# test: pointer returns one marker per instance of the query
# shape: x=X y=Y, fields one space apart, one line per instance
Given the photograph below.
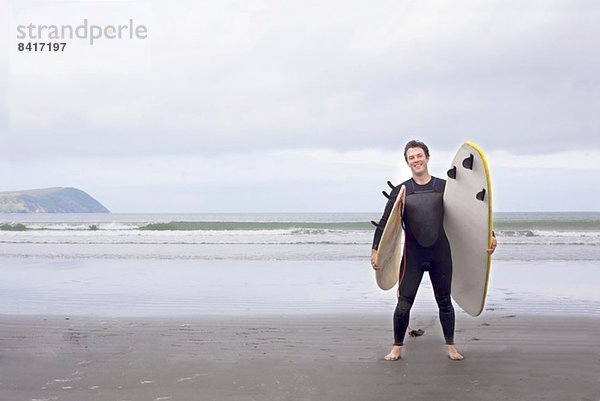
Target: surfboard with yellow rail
x=468 y=225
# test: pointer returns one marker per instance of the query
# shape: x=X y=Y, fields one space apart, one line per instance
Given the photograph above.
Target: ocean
x=232 y=264
x=311 y=236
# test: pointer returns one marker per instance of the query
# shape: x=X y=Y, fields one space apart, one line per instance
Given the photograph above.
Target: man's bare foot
x=453 y=353
x=394 y=354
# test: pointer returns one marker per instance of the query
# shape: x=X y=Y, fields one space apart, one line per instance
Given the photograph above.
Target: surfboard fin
x=391 y=185
x=468 y=162
x=481 y=195
x=374 y=223
x=452 y=172
x=385 y=194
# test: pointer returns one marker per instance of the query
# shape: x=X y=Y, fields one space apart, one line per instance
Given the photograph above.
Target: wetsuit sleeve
x=386 y=214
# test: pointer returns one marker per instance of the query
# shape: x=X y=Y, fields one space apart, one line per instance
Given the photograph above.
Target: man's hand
x=374 y=259
x=493 y=247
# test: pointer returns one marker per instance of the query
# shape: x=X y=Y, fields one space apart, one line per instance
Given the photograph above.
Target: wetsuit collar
x=425 y=183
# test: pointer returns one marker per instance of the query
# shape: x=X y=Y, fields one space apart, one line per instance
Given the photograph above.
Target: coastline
x=151 y=288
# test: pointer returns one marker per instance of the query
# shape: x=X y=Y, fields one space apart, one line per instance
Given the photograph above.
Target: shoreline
x=286 y=330
x=320 y=357
x=191 y=288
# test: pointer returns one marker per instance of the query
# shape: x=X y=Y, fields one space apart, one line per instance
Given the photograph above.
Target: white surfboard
x=391 y=246
x=468 y=225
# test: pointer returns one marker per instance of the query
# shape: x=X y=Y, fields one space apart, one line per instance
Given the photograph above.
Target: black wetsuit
x=426 y=249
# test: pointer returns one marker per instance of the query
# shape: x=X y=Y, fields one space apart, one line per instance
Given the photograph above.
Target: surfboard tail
x=468 y=225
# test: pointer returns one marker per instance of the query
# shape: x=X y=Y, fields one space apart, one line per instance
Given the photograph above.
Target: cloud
x=228 y=76
x=294 y=180
x=305 y=105
x=566 y=160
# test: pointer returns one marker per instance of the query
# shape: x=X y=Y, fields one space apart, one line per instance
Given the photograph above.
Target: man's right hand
x=374 y=259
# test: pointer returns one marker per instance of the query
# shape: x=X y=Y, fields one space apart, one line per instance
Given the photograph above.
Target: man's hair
x=416 y=144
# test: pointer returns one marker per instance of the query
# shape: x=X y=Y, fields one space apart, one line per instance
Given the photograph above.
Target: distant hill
x=50 y=200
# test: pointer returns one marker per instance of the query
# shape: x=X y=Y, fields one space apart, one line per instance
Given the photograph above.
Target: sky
x=289 y=106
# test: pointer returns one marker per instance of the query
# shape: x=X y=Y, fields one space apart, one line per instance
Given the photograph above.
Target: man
x=426 y=248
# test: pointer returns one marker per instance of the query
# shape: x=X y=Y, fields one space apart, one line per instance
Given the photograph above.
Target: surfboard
x=468 y=225
x=391 y=246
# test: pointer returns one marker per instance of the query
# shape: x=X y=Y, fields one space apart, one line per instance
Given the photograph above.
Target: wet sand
x=312 y=357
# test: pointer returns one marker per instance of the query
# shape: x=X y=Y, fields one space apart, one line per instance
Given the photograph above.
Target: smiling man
x=426 y=248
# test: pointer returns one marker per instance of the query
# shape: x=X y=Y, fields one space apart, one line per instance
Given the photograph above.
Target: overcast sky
x=303 y=106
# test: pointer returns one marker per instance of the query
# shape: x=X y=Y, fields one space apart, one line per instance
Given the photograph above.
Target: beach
x=257 y=341
x=316 y=357
x=194 y=196
x=124 y=315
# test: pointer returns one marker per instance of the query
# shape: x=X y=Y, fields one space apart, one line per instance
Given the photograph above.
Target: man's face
x=416 y=160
